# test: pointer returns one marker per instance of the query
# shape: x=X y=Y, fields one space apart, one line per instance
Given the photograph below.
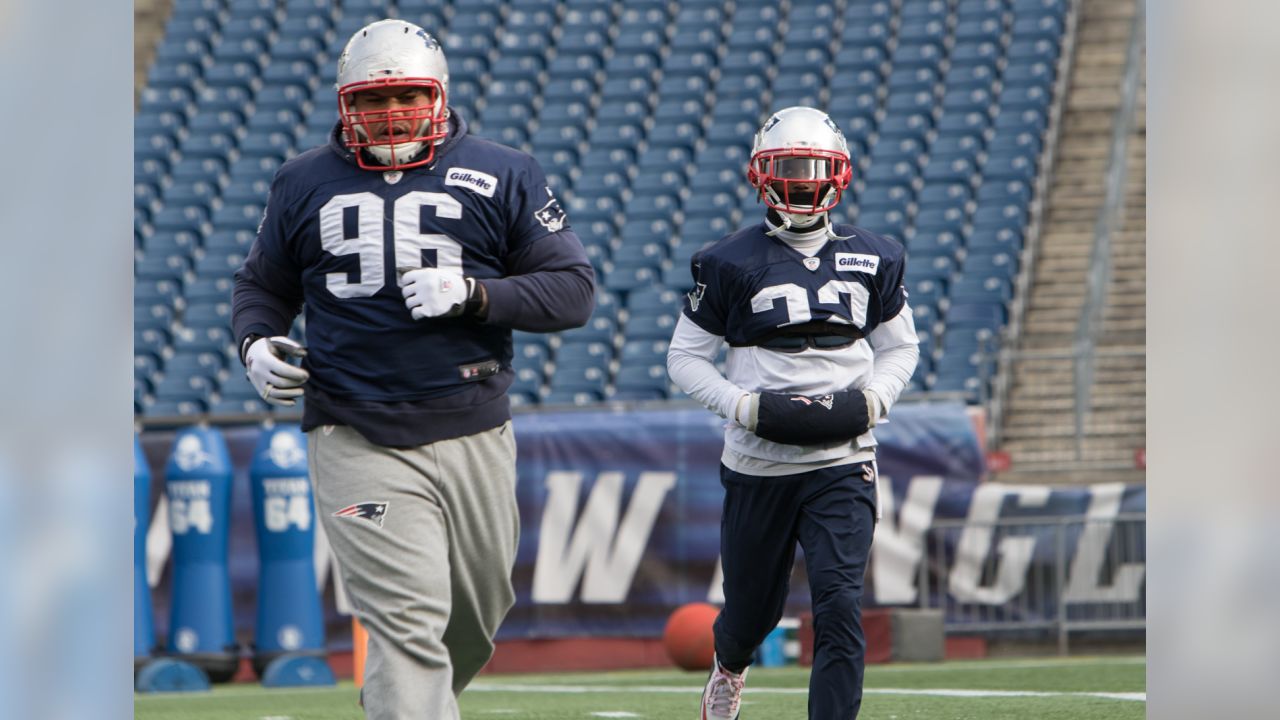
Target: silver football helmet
x=390 y=54
x=800 y=165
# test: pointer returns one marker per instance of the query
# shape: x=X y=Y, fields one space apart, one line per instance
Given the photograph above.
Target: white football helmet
x=800 y=146
x=394 y=54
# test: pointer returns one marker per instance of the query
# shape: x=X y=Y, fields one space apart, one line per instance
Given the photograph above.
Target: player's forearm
x=691 y=366
x=550 y=287
x=897 y=351
x=547 y=301
x=258 y=311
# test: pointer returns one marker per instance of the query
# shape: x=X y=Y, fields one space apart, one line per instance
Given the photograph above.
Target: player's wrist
x=247 y=343
x=477 y=302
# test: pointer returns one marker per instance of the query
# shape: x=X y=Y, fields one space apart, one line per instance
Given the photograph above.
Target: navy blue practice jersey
x=748 y=286
x=337 y=237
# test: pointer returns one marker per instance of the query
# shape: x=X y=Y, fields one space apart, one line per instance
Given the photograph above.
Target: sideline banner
x=620 y=518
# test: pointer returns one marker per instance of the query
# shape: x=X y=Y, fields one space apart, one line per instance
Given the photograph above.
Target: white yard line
x=1029 y=664
x=935 y=692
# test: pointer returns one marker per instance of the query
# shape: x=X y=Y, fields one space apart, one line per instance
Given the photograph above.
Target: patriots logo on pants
x=372 y=511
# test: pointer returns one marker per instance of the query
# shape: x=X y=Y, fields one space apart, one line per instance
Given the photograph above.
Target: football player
x=821 y=343
x=416 y=248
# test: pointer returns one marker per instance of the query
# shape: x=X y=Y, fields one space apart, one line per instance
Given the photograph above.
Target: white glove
x=432 y=292
x=276 y=380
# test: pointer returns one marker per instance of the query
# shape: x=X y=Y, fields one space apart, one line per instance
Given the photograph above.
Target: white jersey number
x=409 y=240
x=797 y=301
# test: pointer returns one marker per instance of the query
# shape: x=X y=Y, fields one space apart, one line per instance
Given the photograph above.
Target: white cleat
x=722 y=697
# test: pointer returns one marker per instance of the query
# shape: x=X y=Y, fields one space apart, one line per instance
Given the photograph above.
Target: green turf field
x=1076 y=688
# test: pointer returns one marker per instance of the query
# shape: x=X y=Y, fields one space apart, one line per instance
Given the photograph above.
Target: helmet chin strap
x=786 y=222
x=404 y=152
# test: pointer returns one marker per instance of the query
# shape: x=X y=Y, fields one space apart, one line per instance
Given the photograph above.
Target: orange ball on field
x=688 y=637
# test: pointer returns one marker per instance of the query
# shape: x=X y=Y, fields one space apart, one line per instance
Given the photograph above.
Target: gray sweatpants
x=429 y=573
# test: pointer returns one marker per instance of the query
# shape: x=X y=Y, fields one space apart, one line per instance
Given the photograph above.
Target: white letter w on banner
x=600 y=552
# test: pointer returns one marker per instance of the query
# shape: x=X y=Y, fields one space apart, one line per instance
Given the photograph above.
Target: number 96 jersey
x=337 y=238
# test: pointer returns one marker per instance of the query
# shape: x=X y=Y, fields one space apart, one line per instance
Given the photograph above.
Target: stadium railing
x=1077 y=574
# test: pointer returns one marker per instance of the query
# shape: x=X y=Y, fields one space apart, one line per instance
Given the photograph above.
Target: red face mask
x=800 y=180
x=404 y=129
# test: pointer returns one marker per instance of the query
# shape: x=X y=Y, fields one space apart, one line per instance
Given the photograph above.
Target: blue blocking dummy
x=198 y=490
x=144 y=633
x=289 y=620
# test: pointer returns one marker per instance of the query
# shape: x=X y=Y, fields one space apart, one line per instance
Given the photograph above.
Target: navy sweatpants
x=831 y=513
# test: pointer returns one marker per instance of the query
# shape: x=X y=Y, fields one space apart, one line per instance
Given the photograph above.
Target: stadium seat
x=573 y=355
x=641 y=114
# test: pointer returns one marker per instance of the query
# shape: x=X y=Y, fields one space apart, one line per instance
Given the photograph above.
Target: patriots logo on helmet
x=374 y=512
x=428 y=40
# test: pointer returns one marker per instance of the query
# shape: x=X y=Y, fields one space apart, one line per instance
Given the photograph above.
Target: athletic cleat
x=723 y=693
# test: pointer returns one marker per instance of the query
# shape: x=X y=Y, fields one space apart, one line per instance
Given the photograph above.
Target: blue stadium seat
x=1035 y=73
x=214 y=145
x=1018 y=191
x=530 y=355
x=1041 y=49
x=644 y=352
x=218 y=264
x=969 y=314
x=235 y=385
x=207 y=314
x=932 y=29
x=1009 y=168
x=528 y=381
x=642 y=382
x=982 y=289
x=935 y=242
x=886 y=197
x=597 y=329
x=951 y=194
x=992 y=217
x=971 y=77
x=651 y=327
x=165 y=291
x=203 y=290
x=207 y=364
x=1031 y=97
x=869 y=35
x=902 y=125
x=1005 y=240
x=150 y=340
x=935 y=268
x=926 y=292
x=214 y=338
x=176 y=387
x=573 y=356
x=940 y=219
x=991 y=263
x=965 y=123
x=949 y=169
x=973 y=53
x=174 y=408
x=924 y=9
x=958 y=145
x=580 y=380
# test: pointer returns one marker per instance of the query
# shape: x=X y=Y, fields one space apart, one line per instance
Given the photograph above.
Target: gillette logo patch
x=857 y=262
x=482 y=183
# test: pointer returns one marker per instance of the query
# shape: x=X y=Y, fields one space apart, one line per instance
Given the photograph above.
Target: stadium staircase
x=1083 y=332
x=149 y=17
